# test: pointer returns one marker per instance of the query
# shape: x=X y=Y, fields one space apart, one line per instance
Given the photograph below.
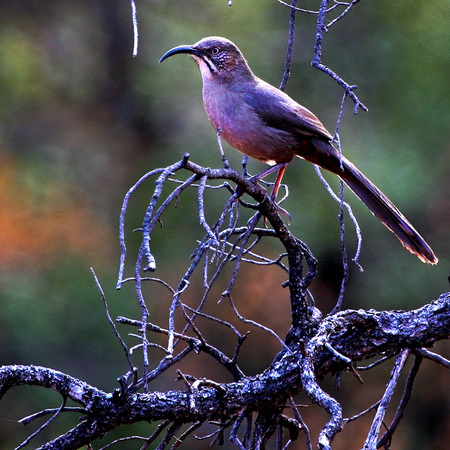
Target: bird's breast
x=243 y=129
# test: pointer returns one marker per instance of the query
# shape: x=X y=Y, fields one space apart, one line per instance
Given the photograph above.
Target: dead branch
x=357 y=334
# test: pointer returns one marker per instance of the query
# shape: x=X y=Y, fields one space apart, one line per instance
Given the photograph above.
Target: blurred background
x=81 y=120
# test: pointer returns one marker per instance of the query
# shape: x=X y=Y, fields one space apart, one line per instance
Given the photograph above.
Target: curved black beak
x=190 y=49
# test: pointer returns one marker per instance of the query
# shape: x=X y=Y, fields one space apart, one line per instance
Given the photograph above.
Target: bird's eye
x=215 y=51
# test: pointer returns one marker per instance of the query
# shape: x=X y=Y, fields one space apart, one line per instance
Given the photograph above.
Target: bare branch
x=343 y=14
x=433 y=357
x=42 y=427
x=317 y=60
x=288 y=59
x=372 y=437
x=403 y=403
x=111 y=322
x=135 y=28
x=347 y=332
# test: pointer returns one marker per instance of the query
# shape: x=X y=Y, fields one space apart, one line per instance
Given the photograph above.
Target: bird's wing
x=277 y=110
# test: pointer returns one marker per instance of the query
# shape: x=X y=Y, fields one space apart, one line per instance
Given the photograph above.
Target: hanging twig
x=135 y=28
x=317 y=60
x=290 y=46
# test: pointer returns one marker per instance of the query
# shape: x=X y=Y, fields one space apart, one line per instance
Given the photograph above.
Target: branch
x=313 y=347
x=386 y=399
x=288 y=59
x=387 y=436
x=361 y=335
x=317 y=59
x=356 y=334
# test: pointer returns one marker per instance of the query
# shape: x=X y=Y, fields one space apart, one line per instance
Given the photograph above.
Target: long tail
x=327 y=157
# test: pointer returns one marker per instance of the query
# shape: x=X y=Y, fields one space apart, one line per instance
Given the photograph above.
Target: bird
x=265 y=123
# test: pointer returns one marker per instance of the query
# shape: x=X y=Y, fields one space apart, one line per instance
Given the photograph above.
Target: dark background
x=81 y=120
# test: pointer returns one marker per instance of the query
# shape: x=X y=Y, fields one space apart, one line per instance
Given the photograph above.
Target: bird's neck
x=230 y=76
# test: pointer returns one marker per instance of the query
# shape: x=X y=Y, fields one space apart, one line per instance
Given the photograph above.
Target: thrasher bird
x=265 y=123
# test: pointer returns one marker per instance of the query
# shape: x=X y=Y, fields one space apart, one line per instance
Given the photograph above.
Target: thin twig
x=256 y=324
x=349 y=211
x=344 y=256
x=214 y=319
x=290 y=46
x=46 y=412
x=337 y=355
x=156 y=433
x=225 y=162
x=122 y=222
x=343 y=14
x=432 y=357
x=111 y=322
x=233 y=435
x=317 y=59
x=376 y=363
x=251 y=224
x=135 y=28
x=151 y=219
x=309 y=11
x=371 y=440
x=45 y=425
x=357 y=416
x=198 y=344
x=124 y=439
x=403 y=403
x=201 y=210
x=190 y=430
x=303 y=425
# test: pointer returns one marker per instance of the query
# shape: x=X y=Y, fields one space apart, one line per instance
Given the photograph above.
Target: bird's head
x=216 y=56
